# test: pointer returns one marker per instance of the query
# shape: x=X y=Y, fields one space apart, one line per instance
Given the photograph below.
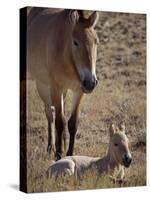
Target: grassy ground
x=119 y=96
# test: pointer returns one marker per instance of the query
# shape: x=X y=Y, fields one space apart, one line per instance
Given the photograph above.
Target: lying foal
x=118 y=156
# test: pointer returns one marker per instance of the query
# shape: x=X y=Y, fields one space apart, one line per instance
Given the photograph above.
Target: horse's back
x=43 y=28
x=40 y=12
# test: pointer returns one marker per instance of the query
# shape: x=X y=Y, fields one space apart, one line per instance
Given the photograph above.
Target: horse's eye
x=76 y=43
x=116 y=144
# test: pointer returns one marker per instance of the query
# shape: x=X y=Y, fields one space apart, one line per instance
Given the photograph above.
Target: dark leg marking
x=59 y=127
x=72 y=127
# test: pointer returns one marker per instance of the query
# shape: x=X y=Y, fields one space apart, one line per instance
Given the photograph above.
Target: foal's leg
x=73 y=121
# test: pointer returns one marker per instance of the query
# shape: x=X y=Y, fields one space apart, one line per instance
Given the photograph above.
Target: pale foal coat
x=118 y=156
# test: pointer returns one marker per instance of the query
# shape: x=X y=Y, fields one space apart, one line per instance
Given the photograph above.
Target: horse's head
x=118 y=148
x=84 y=48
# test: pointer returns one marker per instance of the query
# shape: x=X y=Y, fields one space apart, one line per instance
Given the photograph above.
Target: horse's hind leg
x=65 y=123
x=45 y=94
x=50 y=113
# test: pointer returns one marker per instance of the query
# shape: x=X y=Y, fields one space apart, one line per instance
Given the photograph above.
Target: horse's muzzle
x=127 y=160
x=89 y=84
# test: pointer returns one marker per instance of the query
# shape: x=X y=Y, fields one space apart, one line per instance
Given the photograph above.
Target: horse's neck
x=105 y=164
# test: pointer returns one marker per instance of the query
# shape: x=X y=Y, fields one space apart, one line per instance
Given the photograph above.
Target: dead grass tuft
x=119 y=96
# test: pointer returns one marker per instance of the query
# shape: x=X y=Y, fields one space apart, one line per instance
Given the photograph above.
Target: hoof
x=69 y=153
x=121 y=182
x=58 y=156
x=51 y=148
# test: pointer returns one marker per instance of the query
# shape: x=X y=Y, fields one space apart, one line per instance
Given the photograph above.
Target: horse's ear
x=112 y=130
x=93 y=18
x=122 y=127
x=73 y=16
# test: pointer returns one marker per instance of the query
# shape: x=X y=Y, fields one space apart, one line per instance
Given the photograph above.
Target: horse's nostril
x=85 y=83
x=128 y=159
x=96 y=81
x=89 y=84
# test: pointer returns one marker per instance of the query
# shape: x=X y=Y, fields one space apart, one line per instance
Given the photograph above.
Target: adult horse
x=62 y=50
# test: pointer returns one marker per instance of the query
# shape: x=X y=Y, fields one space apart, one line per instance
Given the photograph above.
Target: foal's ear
x=92 y=20
x=112 y=130
x=73 y=16
x=122 y=127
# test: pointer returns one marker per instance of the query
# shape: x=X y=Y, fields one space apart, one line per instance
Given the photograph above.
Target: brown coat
x=61 y=55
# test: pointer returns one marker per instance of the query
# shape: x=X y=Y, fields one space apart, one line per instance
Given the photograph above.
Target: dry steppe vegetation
x=119 y=96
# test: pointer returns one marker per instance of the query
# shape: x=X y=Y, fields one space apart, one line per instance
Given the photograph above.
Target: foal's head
x=118 y=148
x=84 y=48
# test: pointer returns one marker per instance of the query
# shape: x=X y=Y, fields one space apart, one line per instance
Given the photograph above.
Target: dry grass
x=119 y=96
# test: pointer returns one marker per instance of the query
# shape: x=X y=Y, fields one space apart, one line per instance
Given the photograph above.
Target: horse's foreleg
x=73 y=121
x=60 y=124
x=59 y=128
